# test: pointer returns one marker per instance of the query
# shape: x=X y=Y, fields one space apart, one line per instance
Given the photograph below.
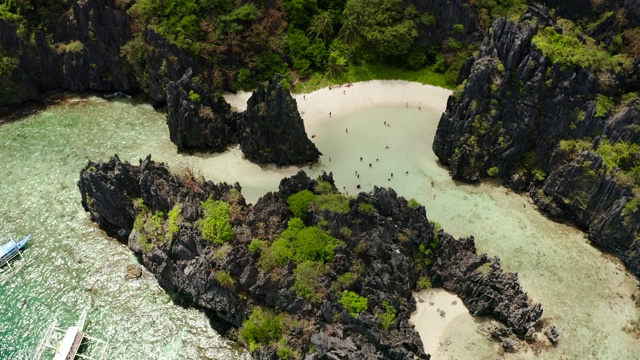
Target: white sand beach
x=438 y=313
x=340 y=101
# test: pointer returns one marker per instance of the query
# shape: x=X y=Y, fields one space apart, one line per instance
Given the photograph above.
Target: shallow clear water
x=74 y=266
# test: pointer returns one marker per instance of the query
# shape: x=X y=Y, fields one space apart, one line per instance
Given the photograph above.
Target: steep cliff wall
x=375 y=248
x=82 y=54
x=270 y=131
x=199 y=120
x=550 y=110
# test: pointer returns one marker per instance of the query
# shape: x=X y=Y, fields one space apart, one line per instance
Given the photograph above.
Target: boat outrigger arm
x=64 y=343
x=8 y=252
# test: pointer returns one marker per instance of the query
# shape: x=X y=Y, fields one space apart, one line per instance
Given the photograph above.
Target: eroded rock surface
x=386 y=246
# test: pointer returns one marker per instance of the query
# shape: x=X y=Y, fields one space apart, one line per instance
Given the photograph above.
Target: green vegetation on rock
x=299 y=243
x=224 y=279
x=307 y=284
x=424 y=283
x=353 y=303
x=262 y=328
x=566 y=48
x=388 y=317
x=299 y=202
x=215 y=224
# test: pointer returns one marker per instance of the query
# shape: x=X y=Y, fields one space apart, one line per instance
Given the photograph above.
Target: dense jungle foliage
x=313 y=42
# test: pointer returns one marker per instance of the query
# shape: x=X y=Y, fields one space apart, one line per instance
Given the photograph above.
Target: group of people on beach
x=349 y=84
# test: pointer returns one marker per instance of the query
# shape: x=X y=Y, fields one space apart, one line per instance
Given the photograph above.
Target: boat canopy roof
x=7 y=248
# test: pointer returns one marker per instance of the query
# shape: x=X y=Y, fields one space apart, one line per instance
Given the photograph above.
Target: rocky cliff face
x=84 y=54
x=270 y=131
x=519 y=115
x=384 y=249
x=91 y=48
x=197 y=119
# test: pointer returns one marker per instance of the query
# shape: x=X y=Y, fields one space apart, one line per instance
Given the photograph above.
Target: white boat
x=11 y=259
x=65 y=343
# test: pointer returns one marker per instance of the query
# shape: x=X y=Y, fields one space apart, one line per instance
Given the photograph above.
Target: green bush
x=299 y=202
x=458 y=28
x=194 y=96
x=299 y=243
x=623 y=155
x=366 y=208
x=8 y=64
x=631 y=206
x=572 y=147
x=604 y=105
x=311 y=243
x=262 y=328
x=257 y=244
x=347 y=279
x=174 y=220
x=353 y=303
x=538 y=175
x=215 y=224
x=424 y=283
x=345 y=232
x=387 y=318
x=224 y=279
x=493 y=171
x=569 y=50
x=337 y=203
x=307 y=284
x=324 y=187
x=413 y=203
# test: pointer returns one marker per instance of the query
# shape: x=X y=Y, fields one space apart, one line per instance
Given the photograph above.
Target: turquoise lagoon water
x=74 y=266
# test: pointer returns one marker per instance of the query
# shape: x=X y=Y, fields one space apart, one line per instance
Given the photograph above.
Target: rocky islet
x=386 y=244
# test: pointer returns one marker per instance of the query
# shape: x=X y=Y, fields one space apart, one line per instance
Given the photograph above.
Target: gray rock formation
x=270 y=131
x=387 y=249
x=507 y=120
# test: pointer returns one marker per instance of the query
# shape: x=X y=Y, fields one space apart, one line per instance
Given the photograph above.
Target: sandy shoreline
x=316 y=105
x=438 y=312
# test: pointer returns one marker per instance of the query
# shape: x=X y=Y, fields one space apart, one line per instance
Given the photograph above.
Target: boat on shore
x=9 y=252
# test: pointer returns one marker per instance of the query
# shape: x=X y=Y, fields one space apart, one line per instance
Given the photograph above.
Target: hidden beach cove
x=349 y=219
x=319 y=268
x=307 y=270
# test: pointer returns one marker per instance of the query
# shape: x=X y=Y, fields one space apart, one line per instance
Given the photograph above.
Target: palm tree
x=349 y=32
x=321 y=26
x=336 y=64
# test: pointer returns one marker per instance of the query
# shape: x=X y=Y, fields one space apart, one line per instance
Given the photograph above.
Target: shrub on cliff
x=215 y=225
x=299 y=202
x=299 y=243
x=262 y=327
x=332 y=202
x=388 y=317
x=307 y=283
x=353 y=303
x=573 y=49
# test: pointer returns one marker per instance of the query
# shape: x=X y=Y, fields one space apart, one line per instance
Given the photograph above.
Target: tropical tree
x=336 y=64
x=383 y=25
x=321 y=26
x=349 y=32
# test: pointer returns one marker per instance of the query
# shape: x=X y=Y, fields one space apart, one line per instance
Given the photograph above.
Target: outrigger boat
x=10 y=251
x=65 y=343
